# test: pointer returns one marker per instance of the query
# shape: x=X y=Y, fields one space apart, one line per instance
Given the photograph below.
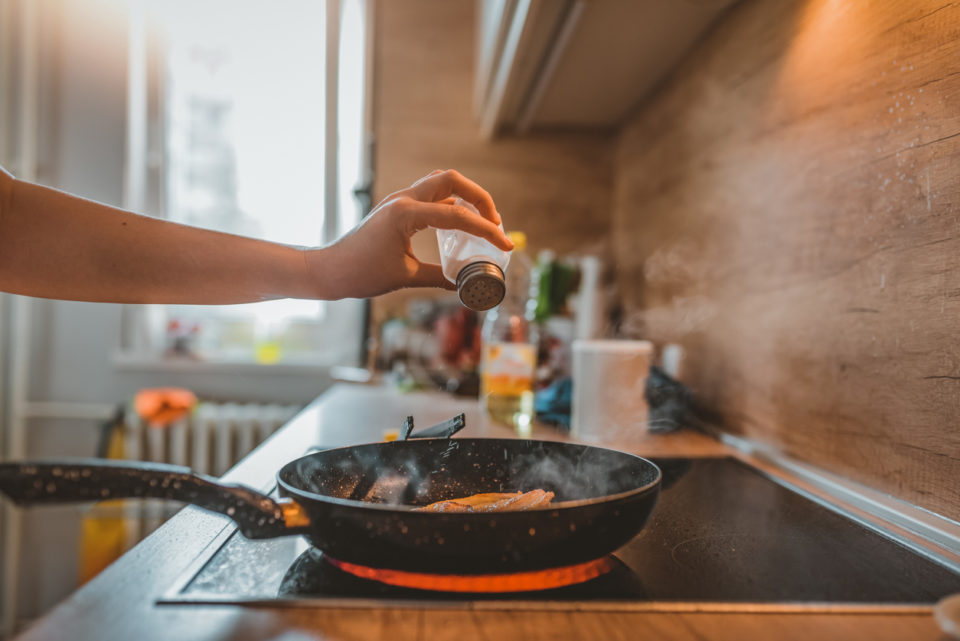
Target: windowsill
x=127 y=362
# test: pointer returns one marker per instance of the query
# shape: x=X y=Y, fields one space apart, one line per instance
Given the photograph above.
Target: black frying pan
x=355 y=503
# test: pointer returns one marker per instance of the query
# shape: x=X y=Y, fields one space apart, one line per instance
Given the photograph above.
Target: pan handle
x=445 y=429
x=80 y=480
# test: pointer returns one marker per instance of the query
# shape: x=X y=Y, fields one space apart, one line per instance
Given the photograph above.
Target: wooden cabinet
x=549 y=64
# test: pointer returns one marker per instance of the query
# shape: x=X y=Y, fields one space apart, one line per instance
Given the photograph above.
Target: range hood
x=584 y=64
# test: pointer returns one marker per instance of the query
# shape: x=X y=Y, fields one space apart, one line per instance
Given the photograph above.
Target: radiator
x=211 y=440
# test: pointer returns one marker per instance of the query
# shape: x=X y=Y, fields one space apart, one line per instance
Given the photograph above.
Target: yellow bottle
x=509 y=357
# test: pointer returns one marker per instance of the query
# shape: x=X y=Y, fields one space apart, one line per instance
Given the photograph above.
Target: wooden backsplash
x=787 y=208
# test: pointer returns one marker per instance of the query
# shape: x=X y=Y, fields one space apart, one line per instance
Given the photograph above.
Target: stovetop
x=723 y=536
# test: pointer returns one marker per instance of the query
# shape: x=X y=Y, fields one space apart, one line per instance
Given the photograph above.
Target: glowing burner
x=508 y=582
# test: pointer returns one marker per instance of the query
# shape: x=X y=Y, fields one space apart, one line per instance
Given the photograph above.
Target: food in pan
x=492 y=502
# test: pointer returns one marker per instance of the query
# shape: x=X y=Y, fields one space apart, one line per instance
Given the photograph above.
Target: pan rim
x=410 y=509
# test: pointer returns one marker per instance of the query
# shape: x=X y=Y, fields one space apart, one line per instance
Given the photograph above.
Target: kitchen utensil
x=603 y=499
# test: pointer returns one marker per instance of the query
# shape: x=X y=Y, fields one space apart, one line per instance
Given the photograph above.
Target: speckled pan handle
x=81 y=480
x=445 y=429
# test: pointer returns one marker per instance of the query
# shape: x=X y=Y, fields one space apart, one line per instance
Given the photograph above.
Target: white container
x=473 y=264
x=609 y=390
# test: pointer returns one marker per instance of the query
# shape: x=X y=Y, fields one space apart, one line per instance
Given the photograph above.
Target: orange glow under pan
x=509 y=582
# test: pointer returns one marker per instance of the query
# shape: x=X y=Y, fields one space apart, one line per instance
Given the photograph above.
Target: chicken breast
x=492 y=502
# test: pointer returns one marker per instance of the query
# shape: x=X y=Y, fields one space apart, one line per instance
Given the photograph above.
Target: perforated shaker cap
x=480 y=286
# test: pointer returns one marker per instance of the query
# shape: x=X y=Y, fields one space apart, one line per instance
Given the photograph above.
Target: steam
x=679 y=269
x=675 y=265
x=387 y=475
x=585 y=476
x=683 y=315
x=370 y=473
x=381 y=474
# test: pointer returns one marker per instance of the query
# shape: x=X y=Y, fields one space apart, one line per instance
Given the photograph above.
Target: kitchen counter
x=121 y=602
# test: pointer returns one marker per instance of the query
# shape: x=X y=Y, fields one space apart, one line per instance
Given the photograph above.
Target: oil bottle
x=510 y=339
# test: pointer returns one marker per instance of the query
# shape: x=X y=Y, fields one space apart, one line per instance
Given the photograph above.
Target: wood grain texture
x=788 y=209
x=557 y=187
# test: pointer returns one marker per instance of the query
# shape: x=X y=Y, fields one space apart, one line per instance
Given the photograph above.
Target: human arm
x=55 y=245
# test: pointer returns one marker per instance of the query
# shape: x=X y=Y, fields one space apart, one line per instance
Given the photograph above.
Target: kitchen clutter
x=546 y=349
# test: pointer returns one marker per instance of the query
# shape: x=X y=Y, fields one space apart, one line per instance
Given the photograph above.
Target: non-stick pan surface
x=359 y=500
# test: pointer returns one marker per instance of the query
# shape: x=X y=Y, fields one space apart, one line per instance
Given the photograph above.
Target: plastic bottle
x=509 y=356
x=474 y=265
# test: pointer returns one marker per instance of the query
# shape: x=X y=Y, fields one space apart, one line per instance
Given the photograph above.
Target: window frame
x=142 y=340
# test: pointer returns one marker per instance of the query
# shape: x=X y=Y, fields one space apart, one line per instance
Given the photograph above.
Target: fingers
x=444 y=216
x=430 y=275
x=442 y=184
x=401 y=192
x=432 y=173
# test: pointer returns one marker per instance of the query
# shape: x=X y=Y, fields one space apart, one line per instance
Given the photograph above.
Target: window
x=248 y=116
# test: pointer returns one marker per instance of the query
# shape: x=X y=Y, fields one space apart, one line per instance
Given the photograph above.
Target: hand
x=377 y=257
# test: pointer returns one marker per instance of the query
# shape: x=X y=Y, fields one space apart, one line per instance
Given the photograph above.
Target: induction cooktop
x=723 y=537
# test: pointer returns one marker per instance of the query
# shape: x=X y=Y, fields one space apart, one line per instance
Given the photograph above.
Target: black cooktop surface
x=722 y=533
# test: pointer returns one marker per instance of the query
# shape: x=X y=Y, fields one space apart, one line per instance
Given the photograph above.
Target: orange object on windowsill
x=163 y=406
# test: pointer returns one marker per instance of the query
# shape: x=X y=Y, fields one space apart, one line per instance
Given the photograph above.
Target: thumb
x=430 y=275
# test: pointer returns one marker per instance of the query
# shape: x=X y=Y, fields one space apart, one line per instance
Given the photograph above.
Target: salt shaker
x=474 y=265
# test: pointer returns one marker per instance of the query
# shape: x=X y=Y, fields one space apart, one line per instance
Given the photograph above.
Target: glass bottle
x=509 y=356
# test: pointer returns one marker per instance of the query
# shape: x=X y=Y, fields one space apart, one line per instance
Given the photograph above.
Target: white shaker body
x=459 y=249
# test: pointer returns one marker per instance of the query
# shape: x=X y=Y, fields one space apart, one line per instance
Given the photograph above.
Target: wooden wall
x=556 y=187
x=787 y=208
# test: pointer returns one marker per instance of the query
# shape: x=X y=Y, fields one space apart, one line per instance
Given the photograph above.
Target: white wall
x=82 y=145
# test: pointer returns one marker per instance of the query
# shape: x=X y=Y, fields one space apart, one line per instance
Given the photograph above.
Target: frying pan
x=356 y=503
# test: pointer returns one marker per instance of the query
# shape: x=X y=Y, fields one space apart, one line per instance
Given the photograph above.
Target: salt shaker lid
x=480 y=286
